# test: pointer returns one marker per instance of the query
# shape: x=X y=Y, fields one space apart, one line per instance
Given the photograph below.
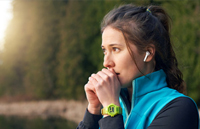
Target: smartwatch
x=111 y=110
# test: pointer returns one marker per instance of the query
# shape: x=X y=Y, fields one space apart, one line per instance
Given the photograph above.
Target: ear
x=151 y=49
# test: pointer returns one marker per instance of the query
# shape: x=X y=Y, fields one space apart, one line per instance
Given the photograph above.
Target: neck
x=130 y=91
x=130 y=87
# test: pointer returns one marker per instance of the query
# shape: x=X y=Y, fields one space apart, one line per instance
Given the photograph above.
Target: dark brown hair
x=144 y=28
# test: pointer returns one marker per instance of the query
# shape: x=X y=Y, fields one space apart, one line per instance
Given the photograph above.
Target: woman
x=142 y=86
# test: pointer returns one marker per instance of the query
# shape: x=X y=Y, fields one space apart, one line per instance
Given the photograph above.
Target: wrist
x=116 y=103
x=94 y=110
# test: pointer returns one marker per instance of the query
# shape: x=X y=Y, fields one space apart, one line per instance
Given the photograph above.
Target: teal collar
x=143 y=85
x=148 y=83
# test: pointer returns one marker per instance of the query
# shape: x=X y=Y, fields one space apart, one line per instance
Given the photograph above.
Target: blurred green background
x=52 y=46
x=37 y=123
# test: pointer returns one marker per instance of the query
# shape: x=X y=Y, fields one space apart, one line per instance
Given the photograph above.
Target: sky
x=5 y=17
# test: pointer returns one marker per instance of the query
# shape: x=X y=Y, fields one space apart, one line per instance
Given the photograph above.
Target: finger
x=89 y=86
x=97 y=77
x=104 y=75
x=92 y=84
x=93 y=80
x=97 y=81
x=112 y=70
x=109 y=72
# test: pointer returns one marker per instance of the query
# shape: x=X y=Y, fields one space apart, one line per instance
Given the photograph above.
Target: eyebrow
x=113 y=44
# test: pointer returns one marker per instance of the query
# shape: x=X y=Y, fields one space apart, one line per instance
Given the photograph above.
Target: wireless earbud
x=147 y=54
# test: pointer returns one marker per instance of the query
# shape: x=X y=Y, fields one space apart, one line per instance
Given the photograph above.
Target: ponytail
x=166 y=58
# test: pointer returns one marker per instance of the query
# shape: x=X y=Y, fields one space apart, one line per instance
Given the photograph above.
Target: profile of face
x=117 y=56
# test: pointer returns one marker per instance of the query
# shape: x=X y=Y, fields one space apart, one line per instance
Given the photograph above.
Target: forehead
x=111 y=35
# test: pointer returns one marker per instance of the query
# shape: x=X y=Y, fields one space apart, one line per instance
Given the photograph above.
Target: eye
x=104 y=50
x=116 y=49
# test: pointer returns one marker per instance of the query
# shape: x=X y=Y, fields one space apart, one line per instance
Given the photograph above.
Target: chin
x=126 y=84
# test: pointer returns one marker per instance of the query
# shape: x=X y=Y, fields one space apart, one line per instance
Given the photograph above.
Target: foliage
x=52 y=46
x=186 y=37
x=35 y=123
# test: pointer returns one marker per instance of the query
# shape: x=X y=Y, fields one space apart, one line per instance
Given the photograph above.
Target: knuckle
x=101 y=82
x=104 y=70
x=99 y=72
x=97 y=86
x=85 y=87
x=112 y=75
x=107 y=78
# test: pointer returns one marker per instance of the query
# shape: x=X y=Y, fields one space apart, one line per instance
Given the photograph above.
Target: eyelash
x=115 y=49
x=103 y=50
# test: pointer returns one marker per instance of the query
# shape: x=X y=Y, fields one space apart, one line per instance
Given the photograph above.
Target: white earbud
x=147 y=54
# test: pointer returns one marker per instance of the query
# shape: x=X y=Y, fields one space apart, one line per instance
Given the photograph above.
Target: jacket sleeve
x=112 y=122
x=180 y=113
x=90 y=121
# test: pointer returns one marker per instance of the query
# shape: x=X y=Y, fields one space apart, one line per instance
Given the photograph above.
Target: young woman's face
x=117 y=56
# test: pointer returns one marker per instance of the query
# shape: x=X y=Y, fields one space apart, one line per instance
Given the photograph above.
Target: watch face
x=111 y=110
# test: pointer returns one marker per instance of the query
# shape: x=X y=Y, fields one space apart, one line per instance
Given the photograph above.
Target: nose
x=108 y=61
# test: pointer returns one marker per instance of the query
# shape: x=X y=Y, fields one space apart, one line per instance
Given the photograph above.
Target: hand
x=94 y=105
x=107 y=86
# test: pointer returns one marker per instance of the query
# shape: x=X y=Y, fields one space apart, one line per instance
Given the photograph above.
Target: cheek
x=129 y=75
x=127 y=67
x=129 y=71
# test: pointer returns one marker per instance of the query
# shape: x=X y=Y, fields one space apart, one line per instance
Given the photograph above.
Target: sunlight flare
x=5 y=17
